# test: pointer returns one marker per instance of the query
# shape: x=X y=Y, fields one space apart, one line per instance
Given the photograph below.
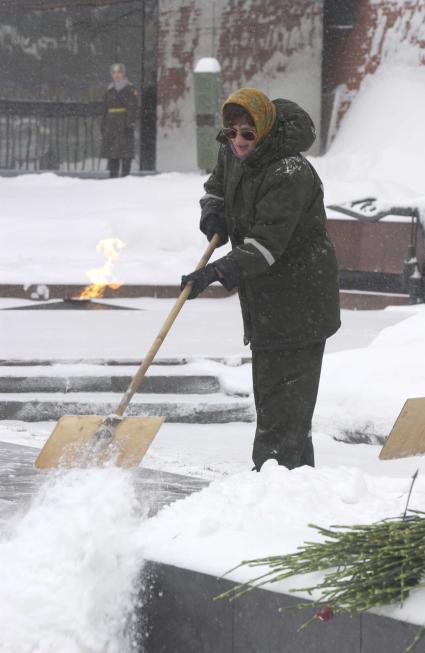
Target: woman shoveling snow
x=268 y=199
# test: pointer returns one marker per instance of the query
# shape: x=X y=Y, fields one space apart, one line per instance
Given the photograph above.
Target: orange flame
x=102 y=278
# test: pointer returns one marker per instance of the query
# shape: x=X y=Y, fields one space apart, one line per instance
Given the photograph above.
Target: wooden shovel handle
x=141 y=372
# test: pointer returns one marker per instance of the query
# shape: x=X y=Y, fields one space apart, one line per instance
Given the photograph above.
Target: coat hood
x=293 y=132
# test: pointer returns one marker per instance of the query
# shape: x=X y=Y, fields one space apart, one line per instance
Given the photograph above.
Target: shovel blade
x=407 y=437
x=73 y=442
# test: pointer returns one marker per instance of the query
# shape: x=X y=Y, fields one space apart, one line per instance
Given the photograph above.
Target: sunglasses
x=247 y=135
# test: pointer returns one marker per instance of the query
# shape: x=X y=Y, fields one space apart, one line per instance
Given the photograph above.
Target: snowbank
x=250 y=515
x=362 y=391
x=379 y=148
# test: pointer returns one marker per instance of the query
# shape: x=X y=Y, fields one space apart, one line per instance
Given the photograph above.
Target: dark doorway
x=339 y=19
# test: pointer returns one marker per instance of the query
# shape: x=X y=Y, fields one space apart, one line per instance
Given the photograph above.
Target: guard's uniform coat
x=118 y=122
x=271 y=204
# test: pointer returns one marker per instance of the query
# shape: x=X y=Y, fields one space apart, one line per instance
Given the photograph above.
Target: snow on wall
x=388 y=33
x=275 y=46
x=11 y=38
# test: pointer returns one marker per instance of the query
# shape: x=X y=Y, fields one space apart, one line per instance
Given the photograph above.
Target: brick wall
x=274 y=45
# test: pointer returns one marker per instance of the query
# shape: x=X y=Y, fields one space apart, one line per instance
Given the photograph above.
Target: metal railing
x=44 y=135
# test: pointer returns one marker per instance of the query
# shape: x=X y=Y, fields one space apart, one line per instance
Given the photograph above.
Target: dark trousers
x=114 y=167
x=285 y=383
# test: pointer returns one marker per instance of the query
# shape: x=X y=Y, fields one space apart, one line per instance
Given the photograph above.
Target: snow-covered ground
x=51 y=225
x=212 y=451
x=69 y=562
x=369 y=369
x=205 y=328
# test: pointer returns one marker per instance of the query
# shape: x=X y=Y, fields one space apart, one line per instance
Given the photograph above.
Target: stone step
x=162 y=384
x=216 y=408
x=173 y=362
x=197 y=377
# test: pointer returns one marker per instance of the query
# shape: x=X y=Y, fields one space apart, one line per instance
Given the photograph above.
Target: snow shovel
x=407 y=437
x=86 y=440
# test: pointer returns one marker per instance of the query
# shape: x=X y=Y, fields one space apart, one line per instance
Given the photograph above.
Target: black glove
x=212 y=224
x=201 y=279
x=224 y=270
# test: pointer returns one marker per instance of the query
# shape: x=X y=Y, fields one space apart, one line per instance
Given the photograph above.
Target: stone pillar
x=208 y=93
x=149 y=72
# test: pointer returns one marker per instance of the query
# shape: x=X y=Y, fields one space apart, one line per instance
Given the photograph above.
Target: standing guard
x=119 y=122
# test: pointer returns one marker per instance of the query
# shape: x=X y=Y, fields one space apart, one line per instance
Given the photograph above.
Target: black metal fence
x=63 y=136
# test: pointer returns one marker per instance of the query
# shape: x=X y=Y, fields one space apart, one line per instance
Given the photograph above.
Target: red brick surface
x=248 y=37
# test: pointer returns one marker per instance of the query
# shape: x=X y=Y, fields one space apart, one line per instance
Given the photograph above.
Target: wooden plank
x=407 y=437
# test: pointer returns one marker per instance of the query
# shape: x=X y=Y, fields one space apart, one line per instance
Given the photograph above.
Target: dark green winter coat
x=272 y=206
x=118 y=122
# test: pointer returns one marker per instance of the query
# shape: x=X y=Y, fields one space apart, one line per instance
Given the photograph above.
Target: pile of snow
x=69 y=566
x=207 y=65
x=362 y=391
x=250 y=515
x=379 y=148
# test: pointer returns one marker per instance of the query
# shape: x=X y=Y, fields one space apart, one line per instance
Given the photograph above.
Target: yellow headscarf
x=260 y=108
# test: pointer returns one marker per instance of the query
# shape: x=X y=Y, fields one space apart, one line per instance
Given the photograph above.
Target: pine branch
x=365 y=566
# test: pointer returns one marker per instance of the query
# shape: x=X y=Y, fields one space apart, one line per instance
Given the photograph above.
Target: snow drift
x=362 y=391
x=380 y=145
